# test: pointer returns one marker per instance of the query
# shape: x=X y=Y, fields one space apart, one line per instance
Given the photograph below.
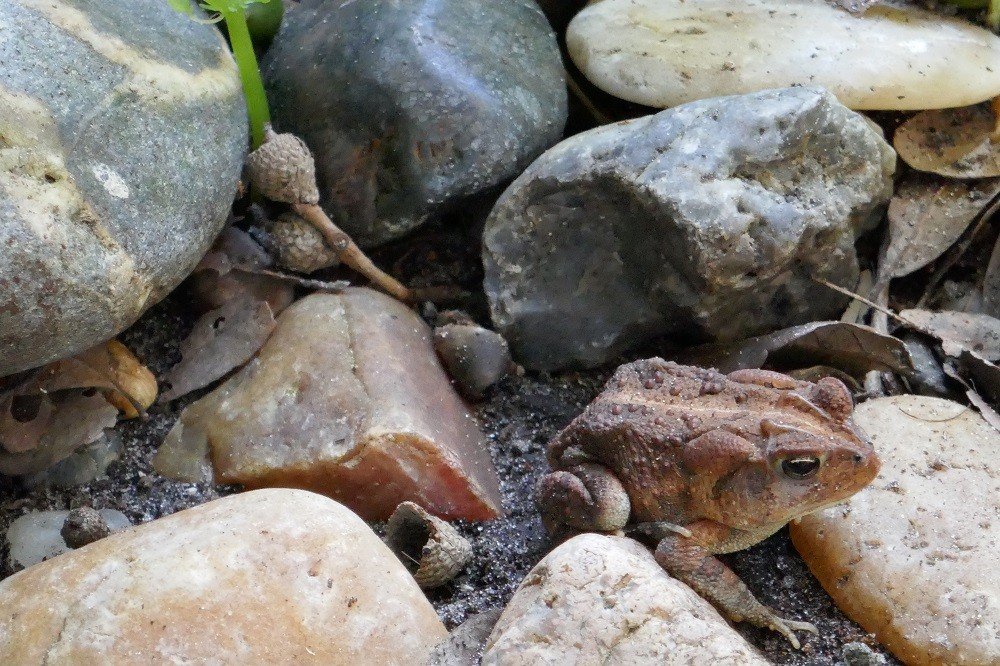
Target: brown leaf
x=221 y=341
x=852 y=348
x=126 y=383
x=951 y=142
x=926 y=216
x=958 y=331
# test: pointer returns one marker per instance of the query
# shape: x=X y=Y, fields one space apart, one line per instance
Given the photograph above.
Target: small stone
x=667 y=52
x=348 y=399
x=604 y=600
x=119 y=161
x=84 y=526
x=859 y=654
x=709 y=220
x=407 y=107
x=37 y=536
x=266 y=577
x=465 y=643
x=300 y=246
x=912 y=557
x=475 y=357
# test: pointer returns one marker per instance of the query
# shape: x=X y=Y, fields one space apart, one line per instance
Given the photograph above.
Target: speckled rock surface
x=604 y=600
x=348 y=399
x=708 y=220
x=273 y=576
x=120 y=150
x=913 y=557
x=410 y=106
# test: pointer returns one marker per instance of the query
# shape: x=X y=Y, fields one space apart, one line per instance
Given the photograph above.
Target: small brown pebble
x=84 y=526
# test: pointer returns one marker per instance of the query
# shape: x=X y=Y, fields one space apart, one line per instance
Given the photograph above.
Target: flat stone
x=667 y=52
x=35 y=537
x=273 y=576
x=706 y=221
x=913 y=557
x=348 y=399
x=410 y=107
x=119 y=158
x=604 y=600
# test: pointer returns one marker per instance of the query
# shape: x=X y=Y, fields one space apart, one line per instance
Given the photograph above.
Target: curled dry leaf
x=853 y=348
x=991 y=284
x=222 y=340
x=951 y=142
x=984 y=376
x=926 y=216
x=958 y=331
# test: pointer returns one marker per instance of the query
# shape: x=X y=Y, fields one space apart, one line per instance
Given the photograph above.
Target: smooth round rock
x=410 y=107
x=710 y=220
x=667 y=52
x=120 y=150
x=913 y=557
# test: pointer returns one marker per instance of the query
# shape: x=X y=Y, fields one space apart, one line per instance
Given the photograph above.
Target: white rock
x=666 y=52
x=913 y=557
x=35 y=537
x=604 y=600
x=266 y=577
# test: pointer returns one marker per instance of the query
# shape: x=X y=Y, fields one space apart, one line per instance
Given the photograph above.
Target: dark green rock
x=122 y=133
x=412 y=105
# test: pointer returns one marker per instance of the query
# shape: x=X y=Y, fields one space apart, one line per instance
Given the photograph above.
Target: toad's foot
x=690 y=559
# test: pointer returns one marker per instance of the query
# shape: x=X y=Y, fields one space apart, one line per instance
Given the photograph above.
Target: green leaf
x=226 y=6
x=182 y=6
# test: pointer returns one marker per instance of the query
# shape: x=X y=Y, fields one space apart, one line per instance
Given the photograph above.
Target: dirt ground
x=519 y=416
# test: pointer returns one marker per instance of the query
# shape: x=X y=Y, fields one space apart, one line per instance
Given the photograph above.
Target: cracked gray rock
x=706 y=221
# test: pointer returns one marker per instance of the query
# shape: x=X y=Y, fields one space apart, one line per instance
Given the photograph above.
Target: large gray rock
x=120 y=149
x=411 y=106
x=705 y=221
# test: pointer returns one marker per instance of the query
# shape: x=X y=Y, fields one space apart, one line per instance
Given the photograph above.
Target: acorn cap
x=282 y=169
x=431 y=548
x=300 y=245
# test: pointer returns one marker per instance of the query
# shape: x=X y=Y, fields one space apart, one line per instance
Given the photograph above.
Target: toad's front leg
x=687 y=559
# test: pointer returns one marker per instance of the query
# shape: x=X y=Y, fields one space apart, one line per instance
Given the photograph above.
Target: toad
x=705 y=463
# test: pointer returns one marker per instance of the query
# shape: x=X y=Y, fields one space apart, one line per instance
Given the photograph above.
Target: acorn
x=300 y=245
x=431 y=548
x=282 y=169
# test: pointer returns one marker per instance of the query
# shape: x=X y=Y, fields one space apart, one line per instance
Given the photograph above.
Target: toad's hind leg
x=583 y=498
x=689 y=561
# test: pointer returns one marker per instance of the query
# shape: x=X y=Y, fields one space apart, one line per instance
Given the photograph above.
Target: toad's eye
x=801 y=467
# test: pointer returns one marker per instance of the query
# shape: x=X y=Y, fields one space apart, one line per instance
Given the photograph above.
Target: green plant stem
x=253 y=86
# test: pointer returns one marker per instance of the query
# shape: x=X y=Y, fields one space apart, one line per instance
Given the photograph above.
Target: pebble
x=37 y=536
x=894 y=56
x=412 y=107
x=475 y=357
x=266 y=577
x=707 y=221
x=121 y=153
x=84 y=526
x=604 y=600
x=348 y=399
x=912 y=558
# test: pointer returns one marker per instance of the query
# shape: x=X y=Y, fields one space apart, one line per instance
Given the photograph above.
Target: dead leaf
x=991 y=284
x=221 y=341
x=126 y=383
x=852 y=348
x=926 y=216
x=985 y=376
x=958 y=331
x=951 y=142
x=989 y=414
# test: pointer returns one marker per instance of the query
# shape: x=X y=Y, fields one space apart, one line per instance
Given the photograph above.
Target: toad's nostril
x=858 y=458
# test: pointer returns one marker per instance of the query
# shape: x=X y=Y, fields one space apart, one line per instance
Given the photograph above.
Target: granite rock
x=120 y=150
x=706 y=221
x=409 y=107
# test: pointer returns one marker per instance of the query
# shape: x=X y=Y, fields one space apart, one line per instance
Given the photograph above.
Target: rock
x=859 y=654
x=84 y=526
x=346 y=398
x=35 y=537
x=407 y=106
x=465 y=643
x=274 y=576
x=667 y=52
x=912 y=558
x=120 y=155
x=709 y=220
x=604 y=600
x=475 y=357
x=83 y=465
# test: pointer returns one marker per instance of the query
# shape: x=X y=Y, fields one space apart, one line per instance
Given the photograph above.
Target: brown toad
x=706 y=463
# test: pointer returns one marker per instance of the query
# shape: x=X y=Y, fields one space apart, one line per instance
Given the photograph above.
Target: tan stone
x=604 y=600
x=347 y=399
x=913 y=557
x=267 y=577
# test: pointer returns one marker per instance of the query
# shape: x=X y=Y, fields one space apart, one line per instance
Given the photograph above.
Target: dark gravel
x=519 y=416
